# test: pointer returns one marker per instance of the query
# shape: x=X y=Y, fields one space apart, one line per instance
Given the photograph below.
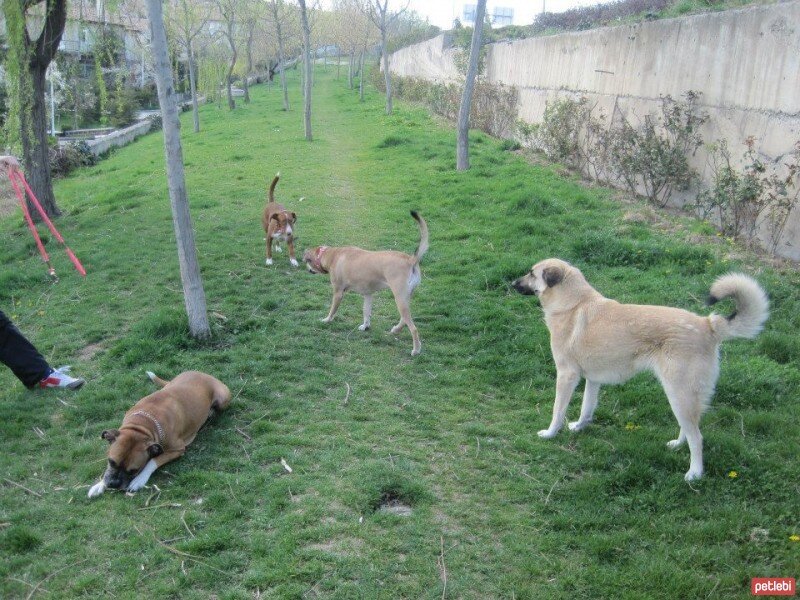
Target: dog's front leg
x=144 y=475
x=590 y=393
x=337 y=299
x=269 y=247
x=292 y=257
x=566 y=382
x=154 y=463
x=367 y=313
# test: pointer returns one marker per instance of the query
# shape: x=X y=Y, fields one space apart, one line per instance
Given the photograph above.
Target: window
x=469 y=13
x=502 y=16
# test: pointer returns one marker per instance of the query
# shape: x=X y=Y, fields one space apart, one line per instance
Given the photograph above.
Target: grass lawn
x=497 y=512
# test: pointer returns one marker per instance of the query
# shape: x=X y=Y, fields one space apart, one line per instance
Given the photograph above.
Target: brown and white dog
x=366 y=272
x=158 y=428
x=603 y=341
x=279 y=225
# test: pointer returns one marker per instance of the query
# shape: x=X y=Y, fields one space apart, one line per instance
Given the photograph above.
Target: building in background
x=501 y=12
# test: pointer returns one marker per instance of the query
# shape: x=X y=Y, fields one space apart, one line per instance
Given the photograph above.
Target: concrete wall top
x=747 y=58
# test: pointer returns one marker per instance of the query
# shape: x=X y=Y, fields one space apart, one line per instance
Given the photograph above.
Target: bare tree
x=308 y=73
x=378 y=12
x=26 y=62
x=279 y=15
x=462 y=149
x=249 y=21
x=187 y=20
x=193 y=293
x=229 y=11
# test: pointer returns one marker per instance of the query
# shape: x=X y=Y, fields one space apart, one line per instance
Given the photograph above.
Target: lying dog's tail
x=272 y=187
x=156 y=379
x=423 y=239
x=752 y=306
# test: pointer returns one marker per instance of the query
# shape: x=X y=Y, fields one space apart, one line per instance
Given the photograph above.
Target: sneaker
x=60 y=378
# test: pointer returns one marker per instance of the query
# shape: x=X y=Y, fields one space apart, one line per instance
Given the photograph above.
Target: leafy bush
x=742 y=202
x=493 y=110
x=68 y=157
x=124 y=106
x=156 y=123
x=654 y=156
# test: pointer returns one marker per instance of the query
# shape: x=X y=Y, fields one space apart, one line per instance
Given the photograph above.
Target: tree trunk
x=361 y=77
x=350 y=68
x=386 y=73
x=462 y=148
x=281 y=61
x=193 y=86
x=193 y=293
x=307 y=62
x=35 y=149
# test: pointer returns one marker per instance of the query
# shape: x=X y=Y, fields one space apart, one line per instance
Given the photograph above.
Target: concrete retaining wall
x=745 y=62
x=118 y=138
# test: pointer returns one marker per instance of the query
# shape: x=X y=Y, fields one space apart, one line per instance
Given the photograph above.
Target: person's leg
x=19 y=355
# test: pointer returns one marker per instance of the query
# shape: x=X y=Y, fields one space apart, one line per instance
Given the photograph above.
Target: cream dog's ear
x=110 y=435
x=553 y=276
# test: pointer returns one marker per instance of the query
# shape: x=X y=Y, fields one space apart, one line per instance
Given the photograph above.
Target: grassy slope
x=605 y=513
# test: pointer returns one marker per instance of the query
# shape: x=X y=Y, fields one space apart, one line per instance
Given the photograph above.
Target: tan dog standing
x=604 y=342
x=366 y=272
x=158 y=428
x=279 y=225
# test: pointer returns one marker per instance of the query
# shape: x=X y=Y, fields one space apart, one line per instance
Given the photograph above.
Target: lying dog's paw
x=546 y=434
x=97 y=489
x=138 y=483
x=294 y=262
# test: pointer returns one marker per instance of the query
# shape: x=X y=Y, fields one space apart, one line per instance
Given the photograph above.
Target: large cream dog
x=158 y=428
x=366 y=272
x=604 y=341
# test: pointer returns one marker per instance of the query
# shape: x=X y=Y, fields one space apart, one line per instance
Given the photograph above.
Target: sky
x=442 y=12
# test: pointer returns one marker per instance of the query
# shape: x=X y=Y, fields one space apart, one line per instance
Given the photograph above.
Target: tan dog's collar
x=159 y=428
x=318 y=259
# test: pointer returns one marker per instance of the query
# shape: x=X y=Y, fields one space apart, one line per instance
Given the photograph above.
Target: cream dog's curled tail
x=752 y=306
x=156 y=379
x=423 y=240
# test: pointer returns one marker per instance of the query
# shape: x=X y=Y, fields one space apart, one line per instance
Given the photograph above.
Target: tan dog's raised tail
x=365 y=272
x=278 y=225
x=158 y=428
x=603 y=341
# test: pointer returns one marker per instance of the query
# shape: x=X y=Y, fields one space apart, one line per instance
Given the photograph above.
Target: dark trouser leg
x=19 y=355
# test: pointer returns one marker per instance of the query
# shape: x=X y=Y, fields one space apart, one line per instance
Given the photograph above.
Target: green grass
x=600 y=514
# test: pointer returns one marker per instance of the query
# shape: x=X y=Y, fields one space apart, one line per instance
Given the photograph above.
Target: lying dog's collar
x=159 y=429
x=318 y=259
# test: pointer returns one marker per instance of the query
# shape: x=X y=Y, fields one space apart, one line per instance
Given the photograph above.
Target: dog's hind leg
x=399 y=327
x=367 y=313
x=687 y=403
x=566 y=382
x=405 y=318
x=337 y=299
x=590 y=394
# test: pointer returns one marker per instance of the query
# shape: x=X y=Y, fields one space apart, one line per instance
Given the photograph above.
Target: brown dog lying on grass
x=158 y=428
x=366 y=272
x=603 y=341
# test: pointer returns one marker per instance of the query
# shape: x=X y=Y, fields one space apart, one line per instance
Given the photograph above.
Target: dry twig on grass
x=22 y=487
